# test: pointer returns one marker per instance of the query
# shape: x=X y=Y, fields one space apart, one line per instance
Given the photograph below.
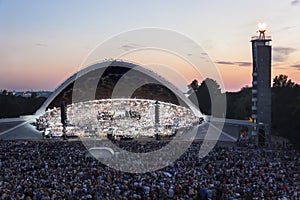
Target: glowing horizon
x=40 y=50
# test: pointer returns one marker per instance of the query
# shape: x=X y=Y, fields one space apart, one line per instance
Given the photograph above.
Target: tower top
x=261 y=29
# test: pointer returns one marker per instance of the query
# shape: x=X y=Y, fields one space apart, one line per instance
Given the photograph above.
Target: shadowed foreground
x=53 y=169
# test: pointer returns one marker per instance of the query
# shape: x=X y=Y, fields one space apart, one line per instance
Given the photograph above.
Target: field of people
x=57 y=169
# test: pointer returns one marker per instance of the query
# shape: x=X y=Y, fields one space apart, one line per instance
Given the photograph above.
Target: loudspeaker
x=63 y=112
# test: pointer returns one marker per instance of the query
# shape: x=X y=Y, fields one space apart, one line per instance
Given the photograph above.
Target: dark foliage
x=286 y=113
x=285 y=106
x=202 y=95
x=239 y=104
x=14 y=106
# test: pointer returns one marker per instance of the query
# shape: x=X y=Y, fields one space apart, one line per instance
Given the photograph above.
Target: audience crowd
x=56 y=169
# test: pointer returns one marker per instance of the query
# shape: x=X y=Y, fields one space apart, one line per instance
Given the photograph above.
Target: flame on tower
x=262 y=29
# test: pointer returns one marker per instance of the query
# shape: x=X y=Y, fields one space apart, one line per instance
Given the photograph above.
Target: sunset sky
x=44 y=42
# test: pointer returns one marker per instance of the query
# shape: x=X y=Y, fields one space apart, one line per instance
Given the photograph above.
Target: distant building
x=28 y=94
x=261 y=86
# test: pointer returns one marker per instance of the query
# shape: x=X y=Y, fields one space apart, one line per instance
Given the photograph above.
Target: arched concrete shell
x=118 y=63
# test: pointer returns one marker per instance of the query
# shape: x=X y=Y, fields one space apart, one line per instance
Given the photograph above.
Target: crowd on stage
x=56 y=169
x=131 y=117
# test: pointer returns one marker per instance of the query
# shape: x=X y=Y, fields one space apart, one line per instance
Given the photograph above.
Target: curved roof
x=118 y=63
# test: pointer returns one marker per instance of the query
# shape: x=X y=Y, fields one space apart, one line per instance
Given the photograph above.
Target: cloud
x=284 y=29
x=282 y=53
x=288 y=28
x=41 y=45
x=244 y=64
x=294 y=2
x=225 y=63
x=240 y=64
x=130 y=46
x=297 y=66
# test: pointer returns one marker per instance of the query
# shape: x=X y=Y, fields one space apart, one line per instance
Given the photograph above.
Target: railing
x=259 y=38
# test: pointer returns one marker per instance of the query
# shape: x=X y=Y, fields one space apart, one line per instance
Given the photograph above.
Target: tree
x=4 y=92
x=286 y=108
x=239 y=104
x=282 y=81
x=203 y=95
x=212 y=86
x=193 y=87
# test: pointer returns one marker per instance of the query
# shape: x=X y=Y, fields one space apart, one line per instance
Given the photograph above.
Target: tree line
x=285 y=104
x=15 y=106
